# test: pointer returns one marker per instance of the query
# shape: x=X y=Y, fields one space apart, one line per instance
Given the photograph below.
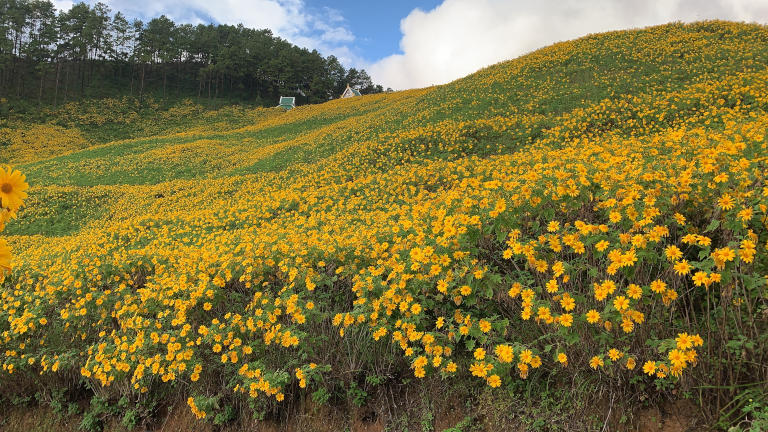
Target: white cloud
x=459 y=37
x=335 y=34
x=284 y=17
x=62 y=4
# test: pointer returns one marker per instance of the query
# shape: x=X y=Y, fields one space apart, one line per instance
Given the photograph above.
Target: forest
x=50 y=57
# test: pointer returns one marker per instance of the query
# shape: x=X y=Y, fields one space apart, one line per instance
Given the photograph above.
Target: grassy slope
x=533 y=92
x=326 y=182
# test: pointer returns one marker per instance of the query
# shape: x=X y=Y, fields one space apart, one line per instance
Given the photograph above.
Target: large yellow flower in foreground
x=5 y=258
x=13 y=186
x=5 y=216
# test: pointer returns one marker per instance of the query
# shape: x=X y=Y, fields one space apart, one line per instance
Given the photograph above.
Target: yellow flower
x=673 y=253
x=621 y=303
x=5 y=257
x=684 y=341
x=526 y=356
x=13 y=188
x=700 y=278
x=634 y=291
x=682 y=267
x=562 y=358
x=747 y=251
x=567 y=302
x=722 y=256
x=677 y=358
x=552 y=286
x=479 y=354
x=630 y=363
x=523 y=368
x=485 y=326
x=493 y=381
x=593 y=316
x=440 y=322
x=658 y=286
x=596 y=362
x=504 y=353
x=480 y=369
x=415 y=308
x=535 y=362
x=615 y=354
x=726 y=202
x=442 y=286
x=649 y=367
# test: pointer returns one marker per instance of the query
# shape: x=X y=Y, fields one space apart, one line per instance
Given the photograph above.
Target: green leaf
x=572 y=338
x=501 y=236
x=712 y=225
x=500 y=326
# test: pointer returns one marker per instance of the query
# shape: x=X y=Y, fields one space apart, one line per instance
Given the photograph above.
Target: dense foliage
x=55 y=57
x=597 y=209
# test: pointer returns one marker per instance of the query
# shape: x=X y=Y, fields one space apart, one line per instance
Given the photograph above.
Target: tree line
x=53 y=57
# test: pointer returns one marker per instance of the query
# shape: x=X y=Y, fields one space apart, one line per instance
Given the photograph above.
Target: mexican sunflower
x=13 y=188
x=5 y=257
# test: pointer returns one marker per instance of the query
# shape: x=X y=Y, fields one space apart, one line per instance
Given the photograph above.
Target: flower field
x=596 y=208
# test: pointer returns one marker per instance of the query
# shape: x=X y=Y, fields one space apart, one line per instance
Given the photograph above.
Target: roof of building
x=287 y=102
x=350 y=92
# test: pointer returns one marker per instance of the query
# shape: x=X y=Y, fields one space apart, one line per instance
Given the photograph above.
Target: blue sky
x=375 y=24
x=409 y=44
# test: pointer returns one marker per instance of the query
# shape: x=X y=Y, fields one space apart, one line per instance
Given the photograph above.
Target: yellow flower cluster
x=195 y=410
x=32 y=142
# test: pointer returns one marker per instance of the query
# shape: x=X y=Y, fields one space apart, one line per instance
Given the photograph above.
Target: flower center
x=6 y=188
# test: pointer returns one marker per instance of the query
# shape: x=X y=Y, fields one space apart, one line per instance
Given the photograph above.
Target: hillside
x=591 y=215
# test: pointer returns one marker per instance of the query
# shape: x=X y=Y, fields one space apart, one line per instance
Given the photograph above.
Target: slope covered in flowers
x=595 y=206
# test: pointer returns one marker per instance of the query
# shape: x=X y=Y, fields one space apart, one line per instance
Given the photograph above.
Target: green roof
x=287 y=102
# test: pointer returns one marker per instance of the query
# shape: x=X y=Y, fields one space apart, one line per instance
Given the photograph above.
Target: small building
x=287 y=102
x=349 y=92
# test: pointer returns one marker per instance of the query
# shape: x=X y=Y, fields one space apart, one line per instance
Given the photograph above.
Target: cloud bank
x=459 y=37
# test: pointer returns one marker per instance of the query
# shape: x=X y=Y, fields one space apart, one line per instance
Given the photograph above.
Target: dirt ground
x=678 y=416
